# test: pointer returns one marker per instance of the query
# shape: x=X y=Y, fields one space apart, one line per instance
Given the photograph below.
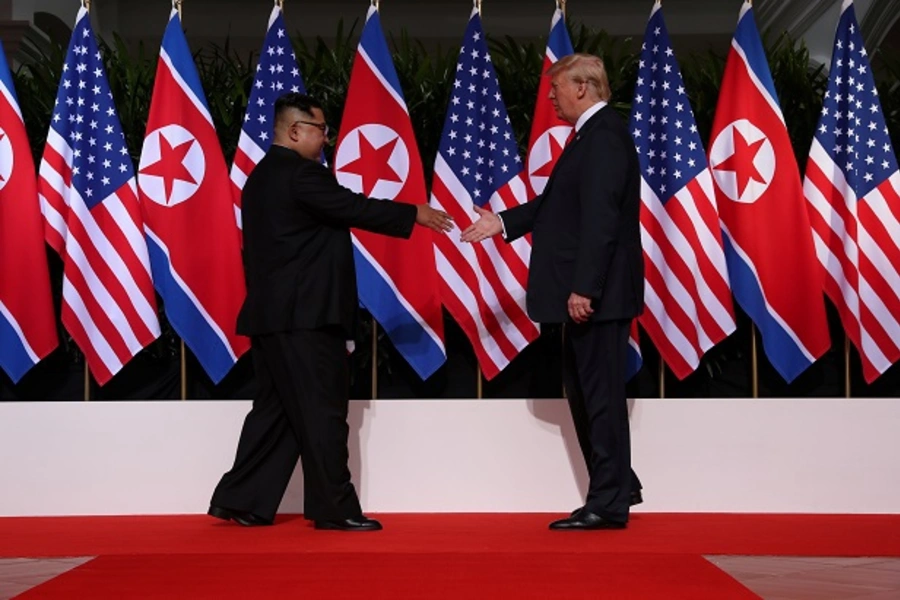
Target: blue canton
x=852 y=128
x=478 y=142
x=84 y=115
x=276 y=74
x=662 y=122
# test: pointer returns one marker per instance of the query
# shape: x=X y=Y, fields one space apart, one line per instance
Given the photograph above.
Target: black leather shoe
x=635 y=498
x=360 y=523
x=584 y=520
x=246 y=519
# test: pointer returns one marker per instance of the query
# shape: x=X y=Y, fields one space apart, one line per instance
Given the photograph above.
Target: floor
x=771 y=577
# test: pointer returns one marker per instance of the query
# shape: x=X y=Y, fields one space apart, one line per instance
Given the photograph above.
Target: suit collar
x=590 y=112
x=282 y=151
x=595 y=117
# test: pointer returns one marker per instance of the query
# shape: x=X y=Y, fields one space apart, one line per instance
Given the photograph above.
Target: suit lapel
x=585 y=129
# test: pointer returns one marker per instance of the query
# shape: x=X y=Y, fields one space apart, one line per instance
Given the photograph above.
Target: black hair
x=301 y=102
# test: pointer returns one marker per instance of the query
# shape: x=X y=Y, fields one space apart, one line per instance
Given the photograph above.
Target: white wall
x=805 y=455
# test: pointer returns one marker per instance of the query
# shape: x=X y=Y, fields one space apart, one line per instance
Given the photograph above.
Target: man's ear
x=582 y=89
x=292 y=133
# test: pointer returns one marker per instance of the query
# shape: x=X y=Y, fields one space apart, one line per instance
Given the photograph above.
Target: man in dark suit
x=300 y=307
x=587 y=272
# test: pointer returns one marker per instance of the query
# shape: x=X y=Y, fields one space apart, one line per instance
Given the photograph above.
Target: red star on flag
x=741 y=162
x=372 y=164
x=170 y=165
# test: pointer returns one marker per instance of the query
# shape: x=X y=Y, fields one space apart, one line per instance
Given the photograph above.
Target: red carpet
x=434 y=556
x=787 y=535
x=388 y=575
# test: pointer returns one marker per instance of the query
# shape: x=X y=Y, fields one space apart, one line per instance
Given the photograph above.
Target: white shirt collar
x=588 y=114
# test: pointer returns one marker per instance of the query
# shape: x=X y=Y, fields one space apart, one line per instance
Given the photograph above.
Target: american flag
x=687 y=294
x=92 y=217
x=852 y=187
x=478 y=163
x=276 y=74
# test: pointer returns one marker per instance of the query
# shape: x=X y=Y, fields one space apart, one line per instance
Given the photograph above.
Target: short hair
x=301 y=102
x=584 y=68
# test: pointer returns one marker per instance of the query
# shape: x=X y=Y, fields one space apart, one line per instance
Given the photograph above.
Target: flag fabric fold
x=482 y=285
x=772 y=263
x=852 y=188
x=92 y=216
x=27 y=323
x=377 y=155
x=189 y=219
x=276 y=74
x=688 y=305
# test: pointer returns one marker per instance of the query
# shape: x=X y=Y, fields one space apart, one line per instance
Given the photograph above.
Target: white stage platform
x=711 y=455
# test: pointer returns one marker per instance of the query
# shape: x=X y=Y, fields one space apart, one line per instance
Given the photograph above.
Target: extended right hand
x=434 y=219
x=486 y=226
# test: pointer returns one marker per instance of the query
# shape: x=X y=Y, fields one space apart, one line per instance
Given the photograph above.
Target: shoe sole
x=327 y=527
x=228 y=515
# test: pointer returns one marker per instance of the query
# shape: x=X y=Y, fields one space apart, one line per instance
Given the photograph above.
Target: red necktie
x=571 y=137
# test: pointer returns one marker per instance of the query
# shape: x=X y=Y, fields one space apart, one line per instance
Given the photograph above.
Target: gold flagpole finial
x=375 y=4
x=86 y=4
x=279 y=4
x=176 y=4
x=477 y=5
x=561 y=5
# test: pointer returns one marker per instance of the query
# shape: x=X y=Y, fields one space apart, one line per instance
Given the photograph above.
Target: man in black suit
x=300 y=307
x=587 y=272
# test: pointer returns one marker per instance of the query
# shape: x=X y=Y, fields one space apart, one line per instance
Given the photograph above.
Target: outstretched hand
x=487 y=225
x=434 y=219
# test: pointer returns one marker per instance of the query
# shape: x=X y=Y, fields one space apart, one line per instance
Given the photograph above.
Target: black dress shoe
x=360 y=523
x=584 y=520
x=635 y=498
x=246 y=519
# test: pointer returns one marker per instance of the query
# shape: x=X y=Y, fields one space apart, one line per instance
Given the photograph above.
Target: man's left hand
x=580 y=308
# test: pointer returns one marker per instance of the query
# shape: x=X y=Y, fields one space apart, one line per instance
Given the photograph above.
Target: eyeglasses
x=323 y=127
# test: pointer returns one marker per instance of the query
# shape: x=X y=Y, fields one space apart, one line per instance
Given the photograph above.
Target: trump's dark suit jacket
x=585 y=227
x=298 y=255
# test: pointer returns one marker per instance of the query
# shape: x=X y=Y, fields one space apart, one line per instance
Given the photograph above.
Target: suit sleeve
x=600 y=193
x=316 y=188
x=519 y=220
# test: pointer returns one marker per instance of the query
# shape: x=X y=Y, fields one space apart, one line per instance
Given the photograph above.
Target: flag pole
x=754 y=361
x=662 y=377
x=375 y=4
x=561 y=5
x=374 y=358
x=86 y=4
x=176 y=4
x=183 y=371
x=477 y=5
x=846 y=365
x=87 y=381
x=479 y=391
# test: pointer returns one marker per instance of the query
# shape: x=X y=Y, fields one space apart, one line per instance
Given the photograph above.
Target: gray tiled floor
x=772 y=577
x=18 y=575
x=814 y=578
